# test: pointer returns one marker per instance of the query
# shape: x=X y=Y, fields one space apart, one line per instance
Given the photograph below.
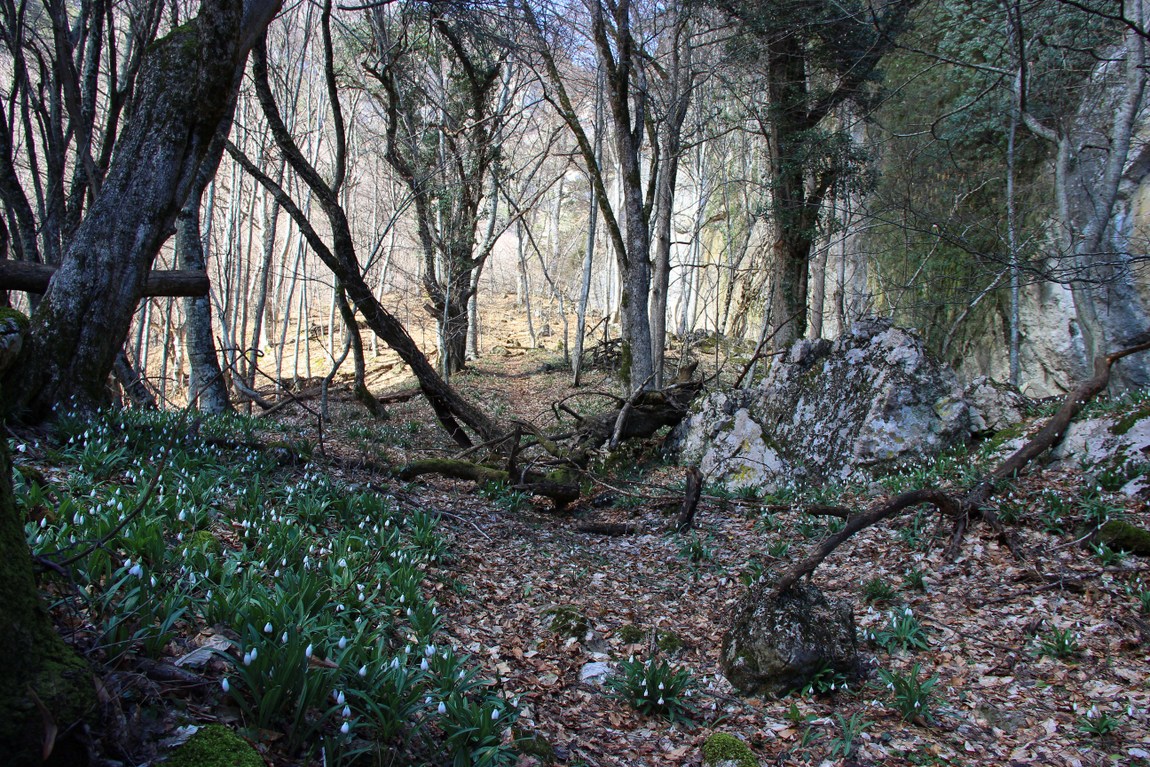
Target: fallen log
x=970 y=505
x=560 y=493
x=34 y=278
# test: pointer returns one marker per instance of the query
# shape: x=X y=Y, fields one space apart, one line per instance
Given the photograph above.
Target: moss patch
x=1128 y=421
x=21 y=320
x=215 y=746
x=1124 y=536
x=567 y=621
x=722 y=748
x=632 y=634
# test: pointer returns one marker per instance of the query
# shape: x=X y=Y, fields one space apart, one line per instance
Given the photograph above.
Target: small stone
x=595 y=673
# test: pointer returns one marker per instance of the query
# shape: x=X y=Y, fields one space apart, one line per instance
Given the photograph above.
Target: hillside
x=252 y=523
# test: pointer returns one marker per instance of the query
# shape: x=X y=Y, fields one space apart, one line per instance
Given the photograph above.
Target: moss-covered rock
x=1123 y=536
x=215 y=746
x=724 y=750
x=776 y=644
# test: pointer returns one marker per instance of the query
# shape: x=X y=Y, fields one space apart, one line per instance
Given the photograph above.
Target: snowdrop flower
x=224 y=683
x=339 y=698
x=247 y=659
x=442 y=708
x=423 y=664
x=307 y=651
x=342 y=642
x=284 y=637
x=268 y=627
x=136 y=570
x=362 y=671
x=345 y=728
x=395 y=662
x=346 y=712
x=183 y=515
x=255 y=653
x=429 y=650
x=660 y=700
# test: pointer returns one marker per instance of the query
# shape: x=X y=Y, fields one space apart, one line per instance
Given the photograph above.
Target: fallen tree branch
x=34 y=278
x=560 y=493
x=613 y=529
x=966 y=507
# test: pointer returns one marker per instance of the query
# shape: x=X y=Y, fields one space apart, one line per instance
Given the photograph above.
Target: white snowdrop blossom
x=342 y=643
x=345 y=728
x=224 y=684
x=307 y=652
x=423 y=664
x=268 y=627
x=362 y=671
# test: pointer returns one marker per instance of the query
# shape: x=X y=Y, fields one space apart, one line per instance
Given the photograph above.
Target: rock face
x=777 y=645
x=830 y=411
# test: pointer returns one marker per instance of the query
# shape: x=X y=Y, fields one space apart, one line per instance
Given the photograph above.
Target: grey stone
x=777 y=645
x=868 y=402
x=595 y=673
x=994 y=406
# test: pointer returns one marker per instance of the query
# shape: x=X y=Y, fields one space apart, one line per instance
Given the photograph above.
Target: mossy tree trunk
x=43 y=683
x=44 y=687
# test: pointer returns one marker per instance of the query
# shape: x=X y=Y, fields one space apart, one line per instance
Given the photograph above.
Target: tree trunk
x=183 y=96
x=206 y=385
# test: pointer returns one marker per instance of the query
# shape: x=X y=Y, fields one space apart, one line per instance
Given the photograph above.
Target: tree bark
x=206 y=385
x=34 y=278
x=340 y=257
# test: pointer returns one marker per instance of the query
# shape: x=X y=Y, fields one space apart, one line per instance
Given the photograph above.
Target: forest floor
x=1044 y=659
x=1029 y=654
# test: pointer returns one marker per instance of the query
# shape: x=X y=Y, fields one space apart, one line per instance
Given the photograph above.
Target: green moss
x=203 y=540
x=632 y=634
x=1128 y=421
x=215 y=746
x=568 y=622
x=19 y=318
x=533 y=744
x=721 y=747
x=669 y=641
x=1123 y=536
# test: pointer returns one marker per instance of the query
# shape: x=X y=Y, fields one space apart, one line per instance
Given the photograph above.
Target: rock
x=723 y=750
x=215 y=746
x=596 y=673
x=994 y=406
x=775 y=646
x=829 y=412
x=1123 y=536
x=1111 y=448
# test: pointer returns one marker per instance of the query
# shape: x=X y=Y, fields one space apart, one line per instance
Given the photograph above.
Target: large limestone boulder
x=865 y=403
x=776 y=645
